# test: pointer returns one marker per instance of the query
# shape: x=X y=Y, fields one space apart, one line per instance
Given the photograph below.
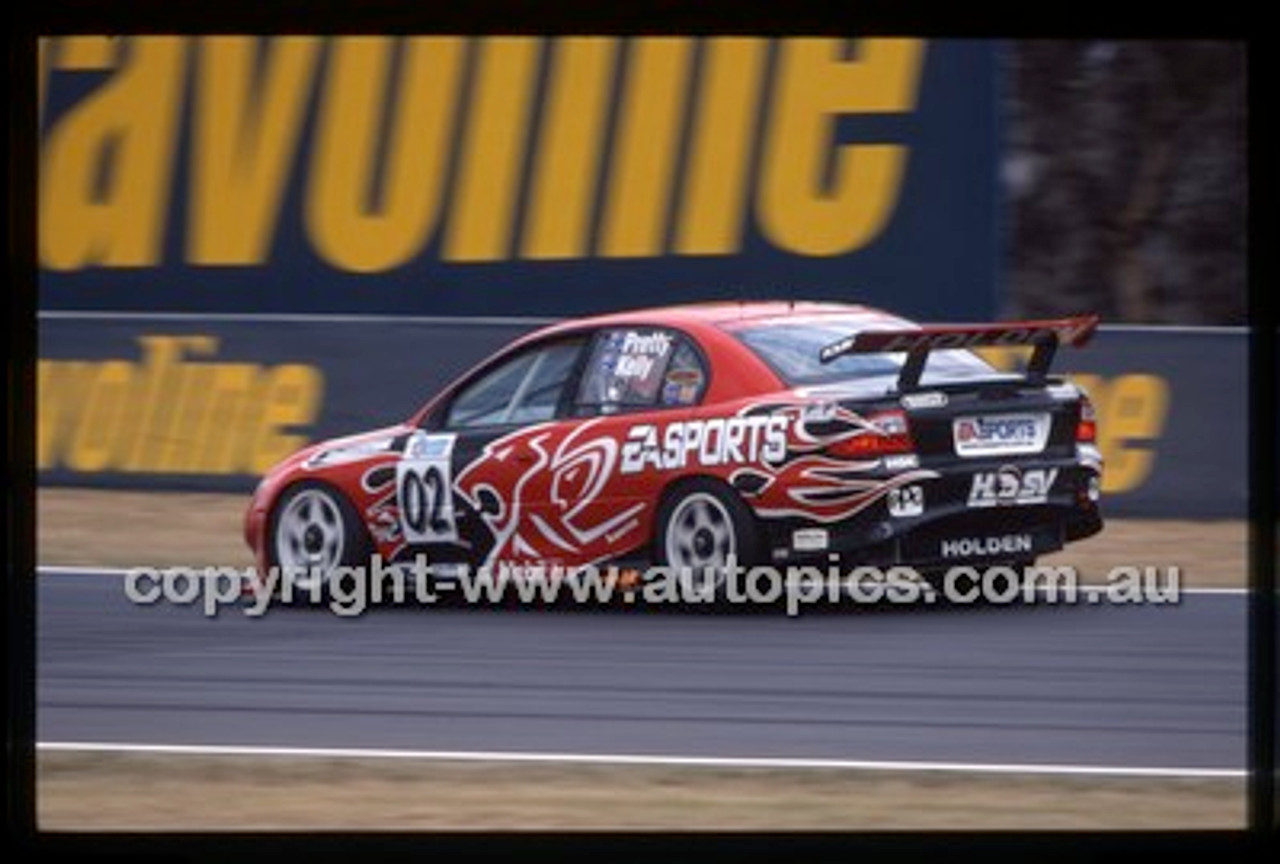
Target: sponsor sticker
x=1011 y=486
x=1000 y=434
x=901 y=462
x=906 y=501
x=423 y=446
x=809 y=539
x=819 y=412
x=681 y=387
x=717 y=441
x=924 y=400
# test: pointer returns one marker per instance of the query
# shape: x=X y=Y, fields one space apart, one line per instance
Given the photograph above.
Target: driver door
x=461 y=483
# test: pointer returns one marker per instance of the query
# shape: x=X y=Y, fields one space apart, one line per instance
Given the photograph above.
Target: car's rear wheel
x=314 y=531
x=702 y=527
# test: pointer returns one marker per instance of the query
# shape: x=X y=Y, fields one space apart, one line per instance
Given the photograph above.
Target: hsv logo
x=1010 y=485
x=1001 y=434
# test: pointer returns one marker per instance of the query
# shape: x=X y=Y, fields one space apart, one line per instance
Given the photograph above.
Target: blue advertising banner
x=1173 y=417
x=513 y=175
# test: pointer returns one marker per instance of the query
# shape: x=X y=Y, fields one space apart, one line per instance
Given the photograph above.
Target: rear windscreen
x=791 y=350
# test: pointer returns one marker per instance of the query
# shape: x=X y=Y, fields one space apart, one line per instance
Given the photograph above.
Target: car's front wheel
x=314 y=530
x=702 y=528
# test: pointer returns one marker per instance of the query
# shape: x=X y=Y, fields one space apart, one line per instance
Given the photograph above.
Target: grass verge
x=143 y=792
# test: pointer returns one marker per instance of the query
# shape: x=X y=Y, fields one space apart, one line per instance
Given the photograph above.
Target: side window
x=635 y=368
x=685 y=380
x=539 y=393
x=525 y=389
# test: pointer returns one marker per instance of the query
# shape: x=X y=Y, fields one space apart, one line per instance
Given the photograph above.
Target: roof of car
x=723 y=312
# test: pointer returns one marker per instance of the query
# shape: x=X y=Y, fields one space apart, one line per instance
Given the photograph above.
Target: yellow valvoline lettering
x=567 y=158
x=292 y=401
x=93 y=445
x=797 y=209
x=88 y=53
x=180 y=453
x=105 y=167
x=1131 y=415
x=367 y=212
x=710 y=220
x=62 y=388
x=244 y=140
x=168 y=414
x=224 y=434
x=382 y=152
x=154 y=394
x=645 y=149
x=1006 y=359
x=480 y=223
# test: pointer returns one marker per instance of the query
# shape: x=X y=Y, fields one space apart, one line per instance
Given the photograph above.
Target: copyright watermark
x=351 y=590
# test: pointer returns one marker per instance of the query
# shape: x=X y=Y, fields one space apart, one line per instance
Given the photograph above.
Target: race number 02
x=423 y=486
x=422 y=494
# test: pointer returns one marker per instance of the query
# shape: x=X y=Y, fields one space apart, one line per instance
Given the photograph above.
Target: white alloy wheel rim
x=699 y=541
x=309 y=539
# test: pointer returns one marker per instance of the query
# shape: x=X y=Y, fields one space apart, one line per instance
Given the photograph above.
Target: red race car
x=777 y=433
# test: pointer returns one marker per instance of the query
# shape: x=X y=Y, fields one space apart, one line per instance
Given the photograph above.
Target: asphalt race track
x=1159 y=686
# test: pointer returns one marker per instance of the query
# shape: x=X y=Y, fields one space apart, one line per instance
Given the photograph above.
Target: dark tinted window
x=685 y=378
x=633 y=368
x=792 y=351
x=525 y=389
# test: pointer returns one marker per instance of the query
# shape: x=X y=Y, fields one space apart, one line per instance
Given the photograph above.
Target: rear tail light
x=1087 y=428
x=890 y=434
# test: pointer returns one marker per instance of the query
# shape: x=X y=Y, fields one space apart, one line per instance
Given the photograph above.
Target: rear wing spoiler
x=1044 y=335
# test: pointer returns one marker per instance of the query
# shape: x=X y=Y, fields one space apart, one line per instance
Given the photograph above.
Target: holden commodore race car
x=772 y=432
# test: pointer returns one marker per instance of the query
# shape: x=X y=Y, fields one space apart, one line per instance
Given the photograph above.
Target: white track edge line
x=76 y=570
x=634 y=759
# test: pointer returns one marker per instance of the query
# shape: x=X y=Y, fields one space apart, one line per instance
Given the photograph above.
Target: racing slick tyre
x=700 y=526
x=312 y=531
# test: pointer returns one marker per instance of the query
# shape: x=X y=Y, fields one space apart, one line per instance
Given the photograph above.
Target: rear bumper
x=950 y=529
